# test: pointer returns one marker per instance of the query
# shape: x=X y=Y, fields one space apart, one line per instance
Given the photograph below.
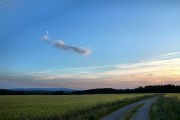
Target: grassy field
x=173 y=95
x=47 y=106
x=167 y=107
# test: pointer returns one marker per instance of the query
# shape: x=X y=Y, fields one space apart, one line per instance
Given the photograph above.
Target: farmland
x=173 y=95
x=166 y=107
x=47 y=106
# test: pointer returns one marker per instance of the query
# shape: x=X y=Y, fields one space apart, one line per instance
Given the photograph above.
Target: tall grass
x=70 y=107
x=166 y=108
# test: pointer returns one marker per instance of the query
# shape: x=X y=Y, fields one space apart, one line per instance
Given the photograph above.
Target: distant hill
x=66 y=90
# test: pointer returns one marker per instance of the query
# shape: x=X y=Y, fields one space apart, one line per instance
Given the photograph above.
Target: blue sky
x=117 y=34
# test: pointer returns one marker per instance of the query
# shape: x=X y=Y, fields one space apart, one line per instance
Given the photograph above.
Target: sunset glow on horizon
x=89 y=44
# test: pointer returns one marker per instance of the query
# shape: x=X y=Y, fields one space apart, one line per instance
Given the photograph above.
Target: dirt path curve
x=143 y=112
x=119 y=113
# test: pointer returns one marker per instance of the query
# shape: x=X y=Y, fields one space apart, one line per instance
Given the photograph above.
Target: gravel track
x=143 y=113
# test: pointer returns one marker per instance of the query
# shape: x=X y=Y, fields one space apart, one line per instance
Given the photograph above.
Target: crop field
x=173 y=95
x=18 y=107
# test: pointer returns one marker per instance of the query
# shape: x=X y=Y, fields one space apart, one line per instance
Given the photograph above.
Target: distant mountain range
x=44 y=89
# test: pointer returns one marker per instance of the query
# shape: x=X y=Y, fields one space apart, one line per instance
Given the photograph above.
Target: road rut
x=143 y=112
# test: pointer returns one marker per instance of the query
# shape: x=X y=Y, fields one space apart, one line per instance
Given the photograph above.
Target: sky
x=86 y=44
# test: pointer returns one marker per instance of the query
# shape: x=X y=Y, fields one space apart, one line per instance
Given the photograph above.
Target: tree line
x=146 y=89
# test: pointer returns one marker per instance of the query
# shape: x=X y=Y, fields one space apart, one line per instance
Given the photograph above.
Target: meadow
x=17 y=107
x=177 y=95
x=167 y=107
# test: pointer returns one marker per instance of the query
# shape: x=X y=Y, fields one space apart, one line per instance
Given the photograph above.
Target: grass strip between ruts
x=131 y=113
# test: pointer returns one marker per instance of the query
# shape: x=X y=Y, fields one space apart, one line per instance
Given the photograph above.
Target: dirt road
x=143 y=112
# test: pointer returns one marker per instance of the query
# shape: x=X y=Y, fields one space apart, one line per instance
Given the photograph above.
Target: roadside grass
x=167 y=107
x=131 y=113
x=72 y=107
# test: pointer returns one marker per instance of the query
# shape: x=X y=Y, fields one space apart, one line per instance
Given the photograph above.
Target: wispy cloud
x=164 y=56
x=168 y=56
x=171 y=54
x=61 y=45
x=46 y=36
x=163 y=71
x=167 y=70
x=7 y=5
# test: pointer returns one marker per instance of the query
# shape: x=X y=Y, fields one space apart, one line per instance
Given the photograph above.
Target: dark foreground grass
x=94 y=112
x=166 y=108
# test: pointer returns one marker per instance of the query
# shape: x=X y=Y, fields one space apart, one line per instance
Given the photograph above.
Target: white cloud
x=171 y=54
x=61 y=45
x=46 y=36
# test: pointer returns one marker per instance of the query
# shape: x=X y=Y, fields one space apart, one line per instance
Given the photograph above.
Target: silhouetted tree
x=58 y=93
